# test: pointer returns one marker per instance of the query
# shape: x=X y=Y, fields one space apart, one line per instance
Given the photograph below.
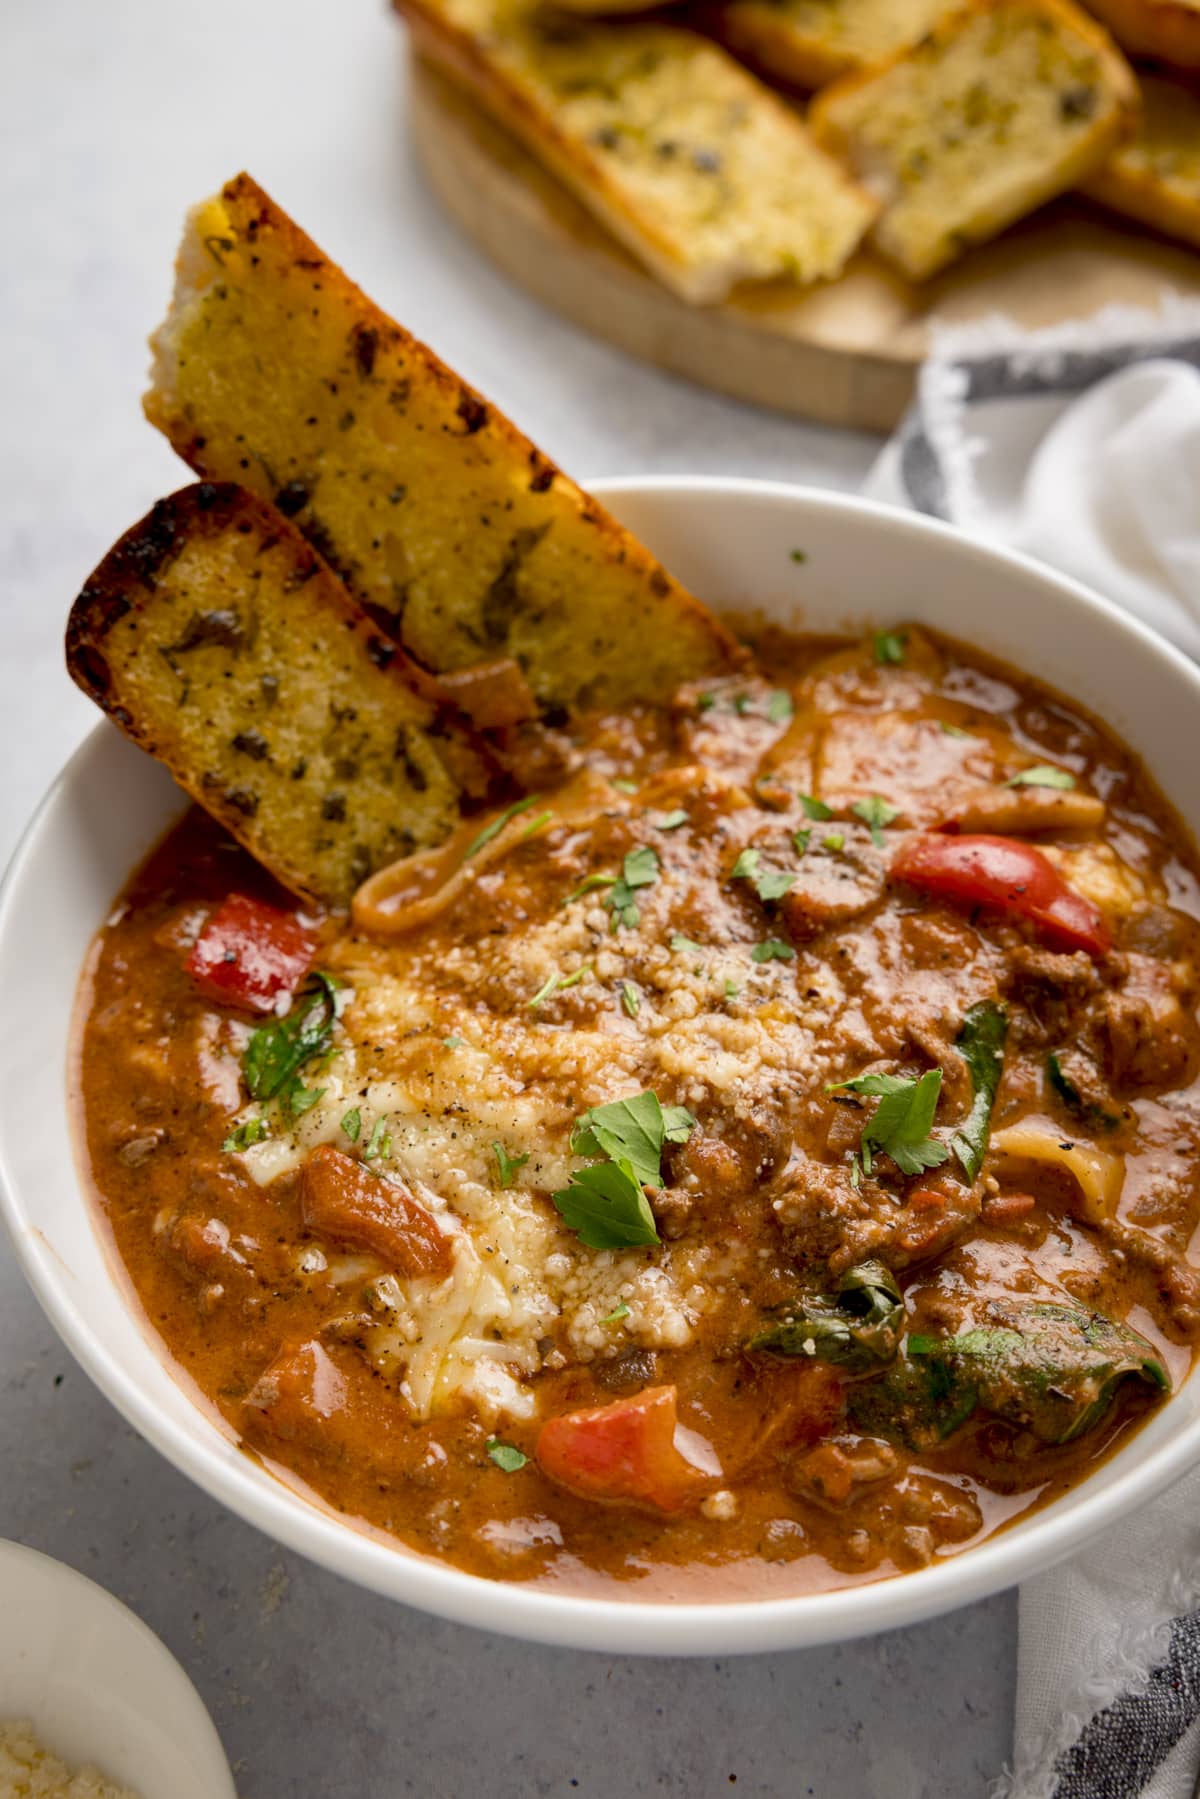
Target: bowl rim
x=84 y=1598
x=540 y=1614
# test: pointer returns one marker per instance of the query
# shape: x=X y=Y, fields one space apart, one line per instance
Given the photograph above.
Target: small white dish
x=811 y=560
x=97 y=1685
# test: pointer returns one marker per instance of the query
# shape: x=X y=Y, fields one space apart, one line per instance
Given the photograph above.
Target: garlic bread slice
x=450 y=527
x=1168 y=30
x=808 y=43
x=1005 y=104
x=217 y=639
x=1155 y=176
x=705 y=176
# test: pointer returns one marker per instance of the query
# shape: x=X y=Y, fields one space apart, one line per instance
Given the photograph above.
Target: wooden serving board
x=845 y=353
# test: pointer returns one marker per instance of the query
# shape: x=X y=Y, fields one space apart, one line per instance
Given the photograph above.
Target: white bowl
x=732 y=542
x=98 y=1686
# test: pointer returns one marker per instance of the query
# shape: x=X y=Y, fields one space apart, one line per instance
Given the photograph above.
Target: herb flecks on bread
x=1004 y=105
x=458 y=535
x=807 y=43
x=216 y=638
x=1155 y=176
x=707 y=177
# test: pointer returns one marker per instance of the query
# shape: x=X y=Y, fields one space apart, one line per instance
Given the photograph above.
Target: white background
x=114 y=116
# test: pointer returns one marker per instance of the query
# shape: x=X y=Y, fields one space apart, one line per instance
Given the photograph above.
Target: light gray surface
x=113 y=118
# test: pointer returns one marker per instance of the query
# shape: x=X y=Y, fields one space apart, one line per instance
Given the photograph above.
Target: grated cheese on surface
x=522 y=1286
x=28 y=1770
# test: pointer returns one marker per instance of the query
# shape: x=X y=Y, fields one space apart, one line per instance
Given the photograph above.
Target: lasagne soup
x=763 y=1159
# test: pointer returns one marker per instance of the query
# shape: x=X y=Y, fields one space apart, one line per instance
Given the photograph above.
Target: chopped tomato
x=344 y=1201
x=624 y=1453
x=1005 y=876
x=249 y=953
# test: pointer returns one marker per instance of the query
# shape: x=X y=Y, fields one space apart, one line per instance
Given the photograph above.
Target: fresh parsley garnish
x=640 y=869
x=454 y=1041
x=589 y=885
x=772 y=950
x=379 y=1143
x=619 y=1311
x=889 y=646
x=352 y=1123
x=606 y=1208
x=558 y=983
x=743 y=704
x=901 y=1122
x=277 y=1051
x=508 y=1166
x=814 y=808
x=678 y=1124
x=833 y=842
x=952 y=730
x=705 y=702
x=671 y=821
x=506 y=1456
x=296 y=1099
x=768 y=883
x=498 y=823
x=623 y=784
x=631 y=999
x=779 y=706
x=604 y=1204
x=1044 y=775
x=772 y=884
x=251 y=1130
x=686 y=946
x=632 y=1131
x=732 y=990
x=799 y=555
x=875 y=813
x=800 y=841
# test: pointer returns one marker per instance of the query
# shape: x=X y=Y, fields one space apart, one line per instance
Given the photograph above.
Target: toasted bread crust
x=657 y=239
x=1155 y=178
x=217 y=639
x=448 y=525
x=832 y=117
x=1166 y=29
x=766 y=35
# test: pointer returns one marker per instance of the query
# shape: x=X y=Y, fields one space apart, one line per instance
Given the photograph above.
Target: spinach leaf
x=918 y=1401
x=981 y=1045
x=1062 y=1084
x=858 y=1329
x=277 y=1051
x=1054 y=1368
x=1051 y=1368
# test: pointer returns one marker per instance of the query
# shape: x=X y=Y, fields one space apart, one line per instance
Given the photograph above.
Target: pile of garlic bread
x=726 y=142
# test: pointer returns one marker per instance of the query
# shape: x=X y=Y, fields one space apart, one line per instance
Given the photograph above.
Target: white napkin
x=1081 y=445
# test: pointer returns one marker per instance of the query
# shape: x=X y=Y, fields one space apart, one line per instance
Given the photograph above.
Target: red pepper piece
x=624 y=1453
x=1004 y=876
x=249 y=953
